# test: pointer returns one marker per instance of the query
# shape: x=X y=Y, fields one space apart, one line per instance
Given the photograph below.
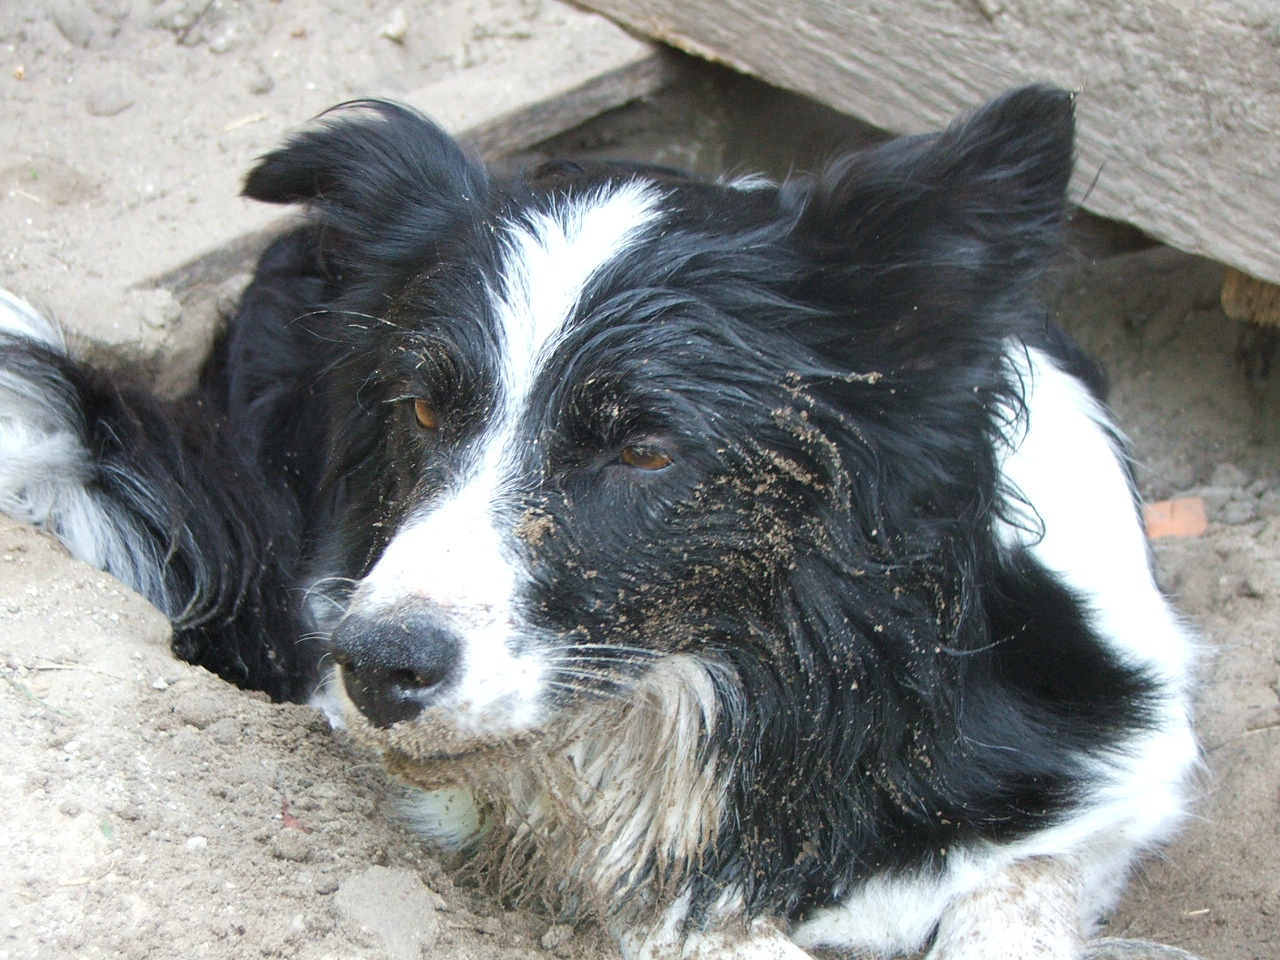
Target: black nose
x=396 y=662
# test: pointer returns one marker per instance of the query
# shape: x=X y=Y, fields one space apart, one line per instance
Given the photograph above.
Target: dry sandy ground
x=151 y=811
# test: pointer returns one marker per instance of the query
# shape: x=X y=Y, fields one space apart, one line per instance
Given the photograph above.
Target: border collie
x=754 y=567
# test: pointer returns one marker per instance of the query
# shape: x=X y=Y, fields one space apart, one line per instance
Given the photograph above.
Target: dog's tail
x=156 y=494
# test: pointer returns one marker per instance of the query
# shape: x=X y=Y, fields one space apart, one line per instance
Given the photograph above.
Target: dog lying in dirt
x=754 y=567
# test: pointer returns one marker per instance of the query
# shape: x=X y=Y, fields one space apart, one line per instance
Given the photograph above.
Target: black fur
x=827 y=363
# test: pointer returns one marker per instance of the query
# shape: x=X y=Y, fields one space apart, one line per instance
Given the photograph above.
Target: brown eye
x=426 y=415
x=646 y=458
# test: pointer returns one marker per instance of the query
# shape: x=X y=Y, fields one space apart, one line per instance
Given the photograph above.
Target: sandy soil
x=150 y=810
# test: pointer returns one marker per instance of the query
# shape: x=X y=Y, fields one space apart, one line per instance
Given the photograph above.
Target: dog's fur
x=725 y=560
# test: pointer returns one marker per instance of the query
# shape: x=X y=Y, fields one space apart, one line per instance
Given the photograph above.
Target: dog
x=752 y=566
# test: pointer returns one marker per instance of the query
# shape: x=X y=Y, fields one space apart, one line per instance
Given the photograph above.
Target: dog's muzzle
x=396 y=662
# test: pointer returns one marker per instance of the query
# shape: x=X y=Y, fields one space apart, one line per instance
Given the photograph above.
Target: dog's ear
x=381 y=180
x=927 y=245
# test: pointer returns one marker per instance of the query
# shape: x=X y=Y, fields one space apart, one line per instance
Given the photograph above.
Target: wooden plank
x=534 y=122
x=1179 y=102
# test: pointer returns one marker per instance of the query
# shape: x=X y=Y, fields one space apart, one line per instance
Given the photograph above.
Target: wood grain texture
x=1179 y=103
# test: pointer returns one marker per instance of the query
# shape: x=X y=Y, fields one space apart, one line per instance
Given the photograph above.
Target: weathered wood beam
x=1179 y=102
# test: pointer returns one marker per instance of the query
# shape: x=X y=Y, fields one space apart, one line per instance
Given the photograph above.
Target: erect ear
x=381 y=180
x=927 y=245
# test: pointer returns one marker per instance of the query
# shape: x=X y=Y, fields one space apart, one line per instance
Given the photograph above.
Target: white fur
x=460 y=553
x=46 y=473
x=615 y=790
x=327 y=698
x=666 y=940
x=1063 y=460
x=19 y=318
x=750 y=181
x=1028 y=911
x=643 y=789
x=1067 y=465
x=548 y=263
x=449 y=817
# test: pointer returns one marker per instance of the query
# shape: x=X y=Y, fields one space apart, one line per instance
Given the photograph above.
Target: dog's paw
x=1027 y=911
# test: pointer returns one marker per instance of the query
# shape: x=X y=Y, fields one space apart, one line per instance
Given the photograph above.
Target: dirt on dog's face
x=584 y=479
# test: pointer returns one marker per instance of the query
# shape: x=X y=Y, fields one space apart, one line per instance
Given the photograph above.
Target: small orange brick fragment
x=1182 y=517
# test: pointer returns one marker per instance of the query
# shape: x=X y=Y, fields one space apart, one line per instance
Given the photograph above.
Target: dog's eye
x=426 y=415
x=645 y=458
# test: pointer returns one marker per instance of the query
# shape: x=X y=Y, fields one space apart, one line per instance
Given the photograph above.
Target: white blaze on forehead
x=549 y=260
x=458 y=552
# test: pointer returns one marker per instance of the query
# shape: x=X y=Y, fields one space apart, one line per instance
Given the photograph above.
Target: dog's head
x=602 y=422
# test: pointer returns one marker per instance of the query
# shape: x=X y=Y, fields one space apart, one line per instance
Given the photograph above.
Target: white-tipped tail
x=20 y=319
x=46 y=472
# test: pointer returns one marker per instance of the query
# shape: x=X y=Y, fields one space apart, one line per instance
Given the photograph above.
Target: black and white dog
x=754 y=567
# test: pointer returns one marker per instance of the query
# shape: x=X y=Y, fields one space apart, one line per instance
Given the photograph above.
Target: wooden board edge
x=522 y=128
